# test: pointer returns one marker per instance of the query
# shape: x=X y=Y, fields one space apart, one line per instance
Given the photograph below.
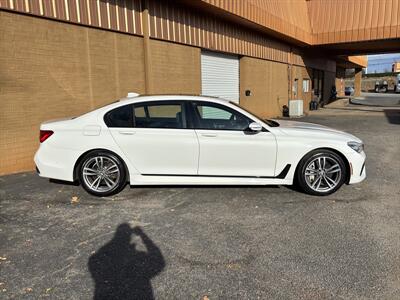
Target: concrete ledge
x=340 y=102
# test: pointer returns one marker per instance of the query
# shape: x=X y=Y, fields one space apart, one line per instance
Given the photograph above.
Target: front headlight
x=356 y=146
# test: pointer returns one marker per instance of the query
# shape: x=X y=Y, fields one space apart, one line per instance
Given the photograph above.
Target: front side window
x=159 y=115
x=217 y=117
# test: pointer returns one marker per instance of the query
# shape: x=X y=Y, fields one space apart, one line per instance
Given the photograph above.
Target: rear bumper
x=56 y=163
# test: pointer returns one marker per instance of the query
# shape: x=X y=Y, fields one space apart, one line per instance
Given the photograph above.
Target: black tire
x=331 y=157
x=116 y=177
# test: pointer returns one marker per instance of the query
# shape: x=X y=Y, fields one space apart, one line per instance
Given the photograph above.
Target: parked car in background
x=397 y=84
x=349 y=91
x=187 y=140
x=381 y=86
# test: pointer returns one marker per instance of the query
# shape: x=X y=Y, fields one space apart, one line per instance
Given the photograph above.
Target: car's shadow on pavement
x=120 y=271
x=63 y=182
x=393 y=116
x=206 y=186
x=200 y=186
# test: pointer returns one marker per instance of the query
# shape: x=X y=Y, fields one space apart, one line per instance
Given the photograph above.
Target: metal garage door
x=220 y=75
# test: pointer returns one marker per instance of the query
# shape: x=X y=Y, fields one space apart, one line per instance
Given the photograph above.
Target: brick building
x=65 y=57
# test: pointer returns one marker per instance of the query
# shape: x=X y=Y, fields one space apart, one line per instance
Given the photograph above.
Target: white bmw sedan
x=190 y=140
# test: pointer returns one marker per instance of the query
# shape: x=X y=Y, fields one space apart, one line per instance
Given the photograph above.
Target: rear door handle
x=209 y=134
x=127 y=132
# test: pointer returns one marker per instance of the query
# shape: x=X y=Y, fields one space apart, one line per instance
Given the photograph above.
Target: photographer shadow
x=120 y=271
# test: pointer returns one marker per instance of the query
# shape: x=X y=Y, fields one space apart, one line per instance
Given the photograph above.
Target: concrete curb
x=356 y=101
x=341 y=102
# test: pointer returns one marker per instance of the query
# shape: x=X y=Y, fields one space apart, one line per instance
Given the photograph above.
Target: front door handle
x=127 y=132
x=209 y=134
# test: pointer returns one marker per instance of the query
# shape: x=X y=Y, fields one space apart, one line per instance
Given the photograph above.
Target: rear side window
x=120 y=117
x=159 y=115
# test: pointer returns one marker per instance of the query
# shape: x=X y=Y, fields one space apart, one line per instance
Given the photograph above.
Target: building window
x=306 y=85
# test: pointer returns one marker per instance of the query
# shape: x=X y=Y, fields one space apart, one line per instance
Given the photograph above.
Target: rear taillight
x=44 y=135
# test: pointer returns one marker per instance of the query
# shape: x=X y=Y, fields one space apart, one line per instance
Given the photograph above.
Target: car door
x=158 y=140
x=227 y=147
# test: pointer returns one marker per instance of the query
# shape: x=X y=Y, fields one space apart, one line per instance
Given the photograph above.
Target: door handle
x=127 y=132
x=209 y=134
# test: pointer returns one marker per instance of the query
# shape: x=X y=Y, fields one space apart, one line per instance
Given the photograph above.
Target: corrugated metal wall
x=288 y=17
x=311 y=21
x=334 y=21
x=120 y=15
x=167 y=21
x=179 y=24
x=321 y=21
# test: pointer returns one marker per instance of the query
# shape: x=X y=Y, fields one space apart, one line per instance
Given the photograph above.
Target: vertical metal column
x=147 y=48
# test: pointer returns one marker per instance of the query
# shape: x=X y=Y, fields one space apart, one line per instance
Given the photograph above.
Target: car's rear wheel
x=321 y=172
x=102 y=173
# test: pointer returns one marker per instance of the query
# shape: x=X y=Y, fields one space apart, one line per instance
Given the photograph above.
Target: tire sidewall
x=122 y=179
x=307 y=159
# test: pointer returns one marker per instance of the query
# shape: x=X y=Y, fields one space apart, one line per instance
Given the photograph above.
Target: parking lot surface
x=273 y=242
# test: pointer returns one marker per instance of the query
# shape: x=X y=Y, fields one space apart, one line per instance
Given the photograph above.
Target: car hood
x=311 y=129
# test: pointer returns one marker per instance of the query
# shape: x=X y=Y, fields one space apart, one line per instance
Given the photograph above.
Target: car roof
x=164 y=97
x=145 y=98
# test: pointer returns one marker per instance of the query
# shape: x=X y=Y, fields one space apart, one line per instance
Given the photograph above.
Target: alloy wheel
x=323 y=173
x=101 y=174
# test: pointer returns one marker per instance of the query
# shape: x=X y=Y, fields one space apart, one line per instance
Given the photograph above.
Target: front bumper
x=357 y=167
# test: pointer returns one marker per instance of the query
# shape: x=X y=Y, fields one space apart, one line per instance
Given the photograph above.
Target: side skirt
x=172 y=179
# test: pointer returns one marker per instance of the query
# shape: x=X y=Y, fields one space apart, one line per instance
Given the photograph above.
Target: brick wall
x=175 y=68
x=51 y=70
x=302 y=73
x=267 y=81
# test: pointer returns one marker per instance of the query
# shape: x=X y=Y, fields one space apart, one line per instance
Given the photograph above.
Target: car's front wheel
x=321 y=172
x=102 y=173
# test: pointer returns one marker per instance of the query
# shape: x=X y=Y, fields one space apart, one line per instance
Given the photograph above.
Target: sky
x=380 y=63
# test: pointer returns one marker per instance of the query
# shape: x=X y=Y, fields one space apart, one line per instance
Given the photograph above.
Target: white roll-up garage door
x=220 y=75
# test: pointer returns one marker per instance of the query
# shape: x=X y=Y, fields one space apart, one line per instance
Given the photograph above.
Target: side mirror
x=256 y=127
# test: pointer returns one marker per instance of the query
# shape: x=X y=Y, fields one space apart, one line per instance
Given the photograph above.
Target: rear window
x=159 y=115
x=120 y=117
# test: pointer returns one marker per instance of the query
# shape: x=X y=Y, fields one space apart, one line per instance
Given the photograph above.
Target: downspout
x=290 y=74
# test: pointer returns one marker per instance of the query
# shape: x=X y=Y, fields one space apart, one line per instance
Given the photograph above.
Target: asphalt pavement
x=58 y=242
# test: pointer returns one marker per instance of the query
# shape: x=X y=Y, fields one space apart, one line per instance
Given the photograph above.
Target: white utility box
x=295 y=108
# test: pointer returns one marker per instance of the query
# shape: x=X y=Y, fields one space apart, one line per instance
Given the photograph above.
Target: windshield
x=269 y=122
